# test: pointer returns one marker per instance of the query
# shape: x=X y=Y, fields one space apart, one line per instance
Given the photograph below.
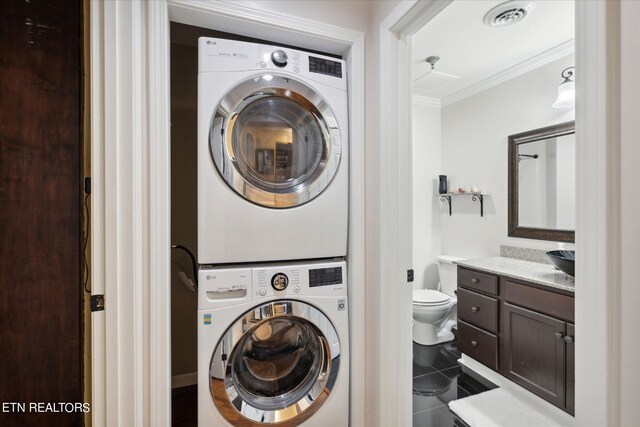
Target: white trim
x=184 y=380
x=160 y=214
x=532 y=63
x=393 y=397
x=629 y=207
x=233 y=18
x=131 y=200
x=356 y=252
x=426 y=101
x=98 y=219
x=599 y=217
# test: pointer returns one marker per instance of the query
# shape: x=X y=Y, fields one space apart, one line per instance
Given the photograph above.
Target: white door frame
x=131 y=341
x=599 y=240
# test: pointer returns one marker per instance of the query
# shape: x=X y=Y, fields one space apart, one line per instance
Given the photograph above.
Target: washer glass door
x=282 y=362
x=275 y=141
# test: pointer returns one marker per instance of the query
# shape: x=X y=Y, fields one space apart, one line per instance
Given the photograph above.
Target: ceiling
x=476 y=52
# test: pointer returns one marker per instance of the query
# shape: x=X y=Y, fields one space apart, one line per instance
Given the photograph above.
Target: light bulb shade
x=566 y=95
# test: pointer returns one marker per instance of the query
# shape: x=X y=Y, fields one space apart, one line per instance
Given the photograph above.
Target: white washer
x=273 y=345
x=272 y=154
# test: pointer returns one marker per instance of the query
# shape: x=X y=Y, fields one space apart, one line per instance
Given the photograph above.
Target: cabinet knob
x=558 y=335
x=568 y=339
x=475 y=308
x=474 y=343
x=474 y=280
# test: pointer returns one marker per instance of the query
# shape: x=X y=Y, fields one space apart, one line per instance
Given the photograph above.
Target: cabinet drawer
x=478 y=344
x=478 y=310
x=547 y=302
x=482 y=282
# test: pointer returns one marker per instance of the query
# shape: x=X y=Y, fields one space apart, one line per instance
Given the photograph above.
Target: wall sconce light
x=567 y=90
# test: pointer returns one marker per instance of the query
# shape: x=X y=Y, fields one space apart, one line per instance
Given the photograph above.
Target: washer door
x=275 y=141
x=277 y=362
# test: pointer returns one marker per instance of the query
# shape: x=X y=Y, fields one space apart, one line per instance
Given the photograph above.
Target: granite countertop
x=535 y=272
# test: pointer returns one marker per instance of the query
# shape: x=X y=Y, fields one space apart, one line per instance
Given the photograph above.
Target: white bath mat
x=499 y=408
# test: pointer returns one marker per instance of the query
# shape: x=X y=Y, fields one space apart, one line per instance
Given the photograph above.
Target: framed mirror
x=542 y=178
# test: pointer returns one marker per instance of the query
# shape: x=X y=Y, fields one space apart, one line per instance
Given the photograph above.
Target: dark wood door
x=534 y=352
x=40 y=205
x=571 y=368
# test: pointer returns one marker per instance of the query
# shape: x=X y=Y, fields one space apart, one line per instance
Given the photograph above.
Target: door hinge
x=410 y=275
x=97 y=302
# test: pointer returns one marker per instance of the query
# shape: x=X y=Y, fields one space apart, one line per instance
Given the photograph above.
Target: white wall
x=426 y=211
x=474 y=150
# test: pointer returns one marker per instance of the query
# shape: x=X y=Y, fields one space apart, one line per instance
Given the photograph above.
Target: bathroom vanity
x=517 y=318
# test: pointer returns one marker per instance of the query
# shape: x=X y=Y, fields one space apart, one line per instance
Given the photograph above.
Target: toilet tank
x=448 y=272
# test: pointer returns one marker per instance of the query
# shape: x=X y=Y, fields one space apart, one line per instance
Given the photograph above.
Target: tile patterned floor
x=437 y=380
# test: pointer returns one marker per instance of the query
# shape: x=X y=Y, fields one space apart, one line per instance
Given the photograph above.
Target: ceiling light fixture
x=567 y=90
x=508 y=13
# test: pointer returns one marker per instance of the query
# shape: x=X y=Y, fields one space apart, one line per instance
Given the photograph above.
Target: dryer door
x=277 y=362
x=275 y=141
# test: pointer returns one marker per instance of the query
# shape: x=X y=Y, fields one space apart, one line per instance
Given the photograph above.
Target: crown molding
x=426 y=101
x=537 y=61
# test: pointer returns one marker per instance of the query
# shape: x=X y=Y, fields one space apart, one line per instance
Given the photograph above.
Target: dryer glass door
x=283 y=366
x=275 y=142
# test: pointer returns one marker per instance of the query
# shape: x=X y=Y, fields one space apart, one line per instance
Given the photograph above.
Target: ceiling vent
x=508 y=13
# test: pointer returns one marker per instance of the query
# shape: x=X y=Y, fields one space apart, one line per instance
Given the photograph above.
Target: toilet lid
x=429 y=297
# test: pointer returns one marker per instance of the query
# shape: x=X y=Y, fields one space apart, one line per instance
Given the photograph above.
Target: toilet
x=434 y=311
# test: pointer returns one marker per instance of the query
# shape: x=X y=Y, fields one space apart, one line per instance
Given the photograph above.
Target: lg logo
x=210 y=42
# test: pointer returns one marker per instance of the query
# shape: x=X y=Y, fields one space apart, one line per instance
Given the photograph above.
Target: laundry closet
x=260 y=166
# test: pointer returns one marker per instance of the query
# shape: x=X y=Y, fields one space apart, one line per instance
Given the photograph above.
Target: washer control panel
x=300 y=279
x=225 y=286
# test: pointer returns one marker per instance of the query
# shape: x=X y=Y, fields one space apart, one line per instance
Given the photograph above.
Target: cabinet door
x=534 y=352
x=571 y=368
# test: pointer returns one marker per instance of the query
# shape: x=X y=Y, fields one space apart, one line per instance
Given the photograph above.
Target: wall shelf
x=476 y=197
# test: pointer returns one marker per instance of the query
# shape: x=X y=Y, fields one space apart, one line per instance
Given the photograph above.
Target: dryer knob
x=279 y=58
x=279 y=281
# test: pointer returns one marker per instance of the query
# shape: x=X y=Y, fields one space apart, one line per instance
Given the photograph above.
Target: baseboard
x=184 y=380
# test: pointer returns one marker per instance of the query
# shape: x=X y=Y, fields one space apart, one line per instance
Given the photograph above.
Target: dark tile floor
x=438 y=379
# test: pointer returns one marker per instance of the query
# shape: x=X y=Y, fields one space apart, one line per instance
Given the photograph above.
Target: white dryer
x=273 y=345
x=272 y=154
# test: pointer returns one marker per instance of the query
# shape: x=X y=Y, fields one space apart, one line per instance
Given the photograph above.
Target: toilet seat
x=430 y=298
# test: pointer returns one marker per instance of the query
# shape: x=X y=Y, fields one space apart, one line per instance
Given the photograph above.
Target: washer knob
x=262 y=292
x=279 y=281
x=279 y=58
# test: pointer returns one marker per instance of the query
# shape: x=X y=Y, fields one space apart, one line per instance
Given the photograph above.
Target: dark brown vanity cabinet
x=523 y=331
x=534 y=352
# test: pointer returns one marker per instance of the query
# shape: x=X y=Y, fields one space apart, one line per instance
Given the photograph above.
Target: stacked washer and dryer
x=273 y=330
